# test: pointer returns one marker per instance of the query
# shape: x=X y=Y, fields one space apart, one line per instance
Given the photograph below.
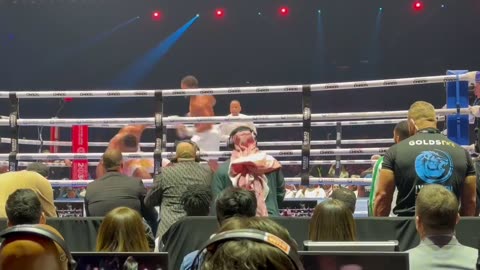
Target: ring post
x=80 y=146
x=457 y=98
x=338 y=143
x=14 y=108
x=157 y=152
x=307 y=131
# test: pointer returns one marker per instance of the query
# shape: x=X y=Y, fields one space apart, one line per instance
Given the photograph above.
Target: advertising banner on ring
x=80 y=145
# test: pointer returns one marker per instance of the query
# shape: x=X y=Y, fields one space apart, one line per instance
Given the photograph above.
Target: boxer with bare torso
x=205 y=135
x=127 y=141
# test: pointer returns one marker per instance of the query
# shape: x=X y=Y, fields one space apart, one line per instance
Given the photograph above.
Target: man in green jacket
x=243 y=142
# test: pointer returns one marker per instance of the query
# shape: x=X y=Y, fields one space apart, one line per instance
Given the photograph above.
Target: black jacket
x=115 y=190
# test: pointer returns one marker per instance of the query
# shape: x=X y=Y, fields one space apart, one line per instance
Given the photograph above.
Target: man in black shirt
x=115 y=189
x=427 y=157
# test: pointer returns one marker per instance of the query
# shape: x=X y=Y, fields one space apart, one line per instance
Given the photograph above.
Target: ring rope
x=219 y=119
x=216 y=154
x=470 y=76
x=283 y=162
x=288 y=180
x=272 y=143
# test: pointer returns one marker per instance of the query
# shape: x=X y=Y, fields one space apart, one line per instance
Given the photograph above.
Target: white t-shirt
x=227 y=127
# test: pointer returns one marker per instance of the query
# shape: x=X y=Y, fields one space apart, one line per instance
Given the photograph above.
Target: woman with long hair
x=122 y=230
x=332 y=220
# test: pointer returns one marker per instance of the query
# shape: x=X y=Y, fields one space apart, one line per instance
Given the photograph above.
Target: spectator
x=427 y=157
x=227 y=127
x=332 y=220
x=114 y=190
x=196 y=200
x=436 y=216
x=346 y=196
x=28 y=251
x=12 y=181
x=400 y=133
x=24 y=207
x=251 y=169
x=232 y=202
x=39 y=168
x=173 y=182
x=122 y=230
x=243 y=254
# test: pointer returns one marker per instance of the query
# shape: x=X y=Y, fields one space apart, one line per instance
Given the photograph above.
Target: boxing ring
x=457 y=83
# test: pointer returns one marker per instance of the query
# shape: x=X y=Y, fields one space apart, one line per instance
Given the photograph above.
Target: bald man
x=27 y=251
x=235 y=111
x=426 y=157
x=116 y=190
x=205 y=135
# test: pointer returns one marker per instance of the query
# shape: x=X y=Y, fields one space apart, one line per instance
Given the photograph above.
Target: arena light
x=156 y=15
x=219 y=12
x=417 y=5
x=284 y=11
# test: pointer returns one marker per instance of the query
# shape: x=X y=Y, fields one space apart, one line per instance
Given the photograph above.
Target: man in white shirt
x=227 y=127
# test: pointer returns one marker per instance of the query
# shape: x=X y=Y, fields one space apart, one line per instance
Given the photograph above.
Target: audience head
x=112 y=160
x=129 y=143
x=436 y=211
x=235 y=202
x=122 y=230
x=196 y=200
x=246 y=254
x=189 y=82
x=346 y=196
x=421 y=115
x=32 y=252
x=235 y=107
x=242 y=137
x=23 y=207
x=332 y=221
x=401 y=131
x=186 y=151
x=39 y=168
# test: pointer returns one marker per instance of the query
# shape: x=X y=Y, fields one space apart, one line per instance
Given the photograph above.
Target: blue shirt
x=188 y=260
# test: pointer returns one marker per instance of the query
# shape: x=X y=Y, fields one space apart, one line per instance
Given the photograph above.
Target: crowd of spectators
x=243 y=194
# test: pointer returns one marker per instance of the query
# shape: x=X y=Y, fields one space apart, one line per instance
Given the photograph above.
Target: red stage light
x=156 y=15
x=418 y=5
x=219 y=12
x=284 y=11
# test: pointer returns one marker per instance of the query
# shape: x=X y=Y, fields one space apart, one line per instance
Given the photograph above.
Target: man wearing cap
x=173 y=182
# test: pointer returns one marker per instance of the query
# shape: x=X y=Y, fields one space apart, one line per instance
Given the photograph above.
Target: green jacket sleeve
x=280 y=187
x=220 y=178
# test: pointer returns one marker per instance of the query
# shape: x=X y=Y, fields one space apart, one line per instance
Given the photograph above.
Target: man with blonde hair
x=426 y=157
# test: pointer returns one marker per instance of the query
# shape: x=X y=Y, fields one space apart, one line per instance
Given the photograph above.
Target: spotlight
x=284 y=11
x=156 y=15
x=219 y=12
x=417 y=5
x=380 y=9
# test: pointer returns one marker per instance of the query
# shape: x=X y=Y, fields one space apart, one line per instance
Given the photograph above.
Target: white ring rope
x=470 y=76
x=273 y=143
x=288 y=180
x=60 y=164
x=221 y=119
x=213 y=154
